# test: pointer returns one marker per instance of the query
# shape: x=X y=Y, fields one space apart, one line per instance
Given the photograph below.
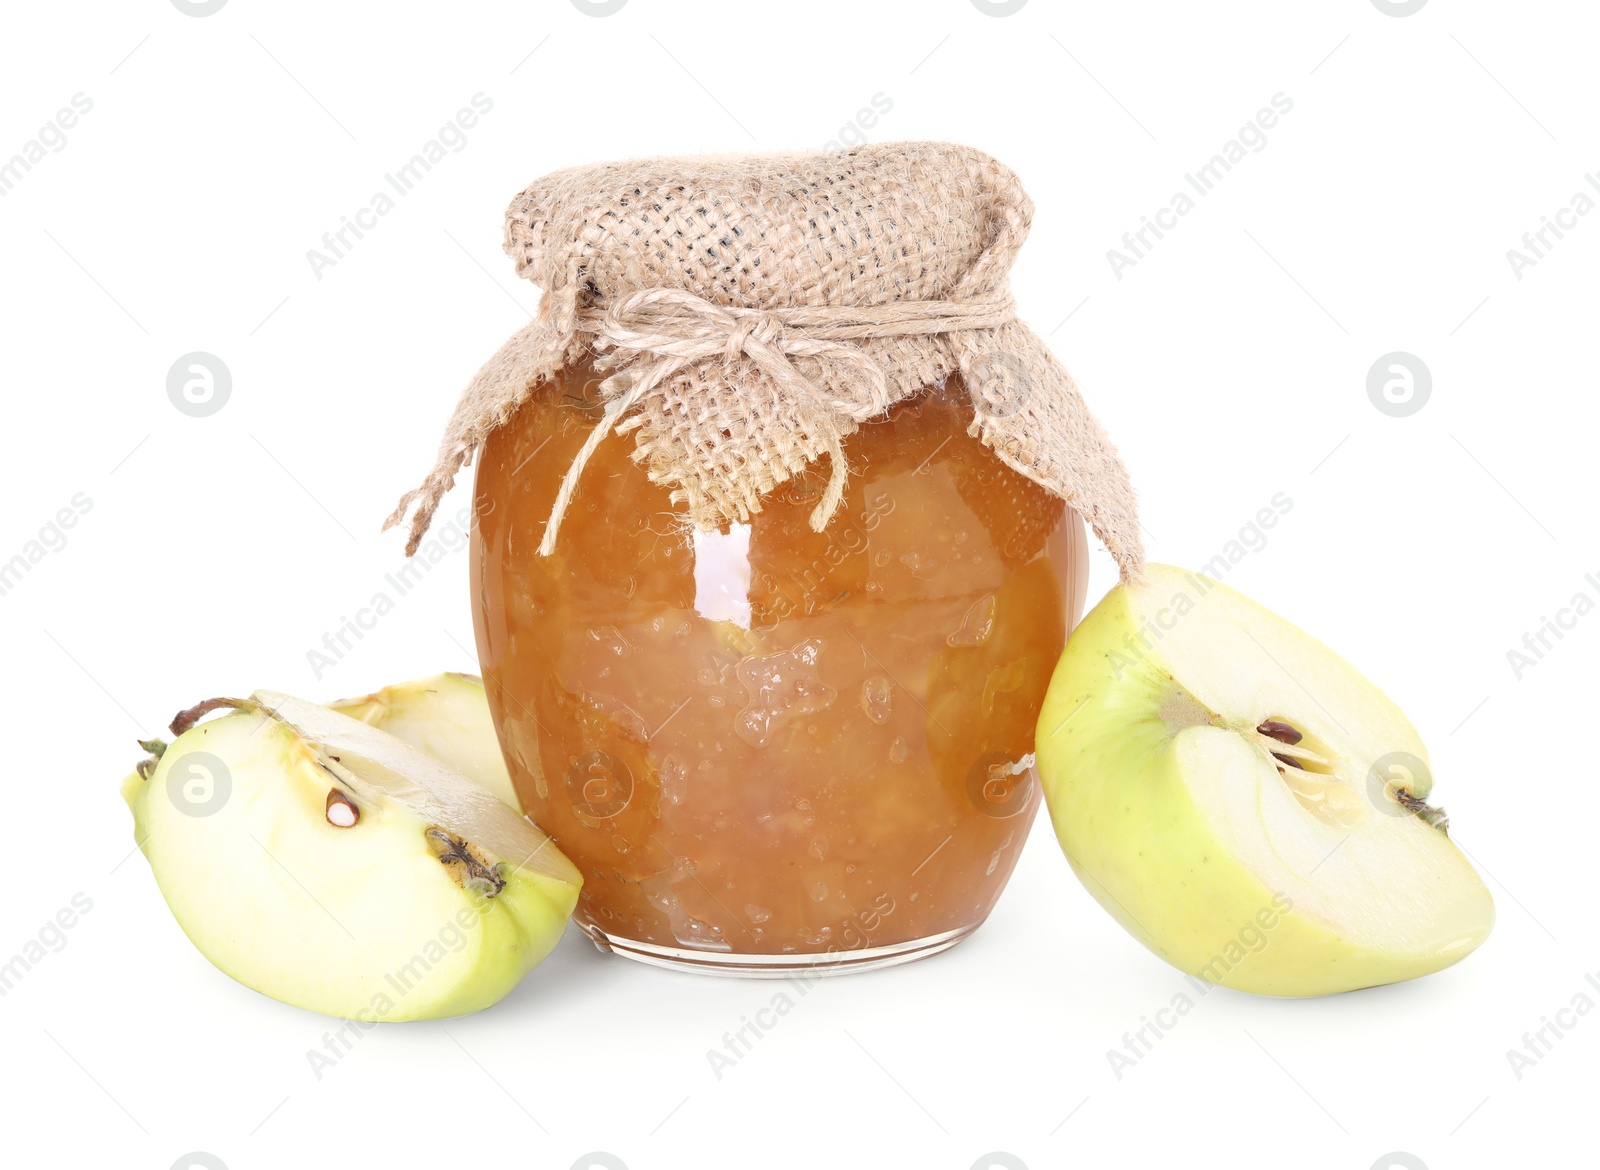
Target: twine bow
x=658 y=332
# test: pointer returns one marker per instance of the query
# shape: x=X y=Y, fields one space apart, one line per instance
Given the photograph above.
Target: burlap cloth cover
x=753 y=311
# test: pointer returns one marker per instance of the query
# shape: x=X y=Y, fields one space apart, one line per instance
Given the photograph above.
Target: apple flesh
x=1244 y=802
x=332 y=866
x=447 y=716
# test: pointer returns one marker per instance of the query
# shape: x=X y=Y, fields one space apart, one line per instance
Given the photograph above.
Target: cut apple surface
x=332 y=866
x=446 y=716
x=1244 y=802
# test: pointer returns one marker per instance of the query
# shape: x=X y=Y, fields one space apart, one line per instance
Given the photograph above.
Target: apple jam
x=768 y=747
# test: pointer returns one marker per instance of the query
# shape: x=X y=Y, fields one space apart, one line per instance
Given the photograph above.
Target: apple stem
x=184 y=720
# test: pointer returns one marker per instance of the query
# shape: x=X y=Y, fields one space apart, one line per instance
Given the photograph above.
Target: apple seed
x=340 y=810
x=1283 y=742
x=1280 y=731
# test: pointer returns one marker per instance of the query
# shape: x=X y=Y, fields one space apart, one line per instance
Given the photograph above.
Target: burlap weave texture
x=755 y=309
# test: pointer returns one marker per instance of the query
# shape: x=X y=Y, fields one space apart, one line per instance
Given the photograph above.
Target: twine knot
x=763 y=327
x=650 y=335
x=800 y=262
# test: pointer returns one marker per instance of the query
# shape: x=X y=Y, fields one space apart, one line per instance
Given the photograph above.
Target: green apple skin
x=1132 y=832
x=333 y=920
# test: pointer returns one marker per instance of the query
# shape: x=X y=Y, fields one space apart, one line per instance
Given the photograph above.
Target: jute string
x=750 y=313
x=657 y=332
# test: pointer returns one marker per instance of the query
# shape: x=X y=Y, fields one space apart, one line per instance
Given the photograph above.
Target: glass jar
x=769 y=748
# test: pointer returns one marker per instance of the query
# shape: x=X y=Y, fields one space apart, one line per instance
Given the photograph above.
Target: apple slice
x=447 y=716
x=332 y=866
x=1244 y=802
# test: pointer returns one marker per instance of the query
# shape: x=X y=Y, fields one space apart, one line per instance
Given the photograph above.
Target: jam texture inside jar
x=767 y=617
x=769 y=748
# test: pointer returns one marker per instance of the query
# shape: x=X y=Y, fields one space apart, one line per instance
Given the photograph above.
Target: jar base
x=743 y=966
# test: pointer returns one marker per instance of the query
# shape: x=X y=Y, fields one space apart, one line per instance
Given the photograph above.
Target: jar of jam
x=769 y=748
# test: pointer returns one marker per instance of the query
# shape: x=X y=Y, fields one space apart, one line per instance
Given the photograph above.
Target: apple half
x=1244 y=802
x=332 y=866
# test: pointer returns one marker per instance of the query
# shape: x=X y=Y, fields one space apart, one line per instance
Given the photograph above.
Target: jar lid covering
x=754 y=310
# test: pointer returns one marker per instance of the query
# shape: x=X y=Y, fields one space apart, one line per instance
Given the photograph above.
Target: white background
x=1230 y=364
